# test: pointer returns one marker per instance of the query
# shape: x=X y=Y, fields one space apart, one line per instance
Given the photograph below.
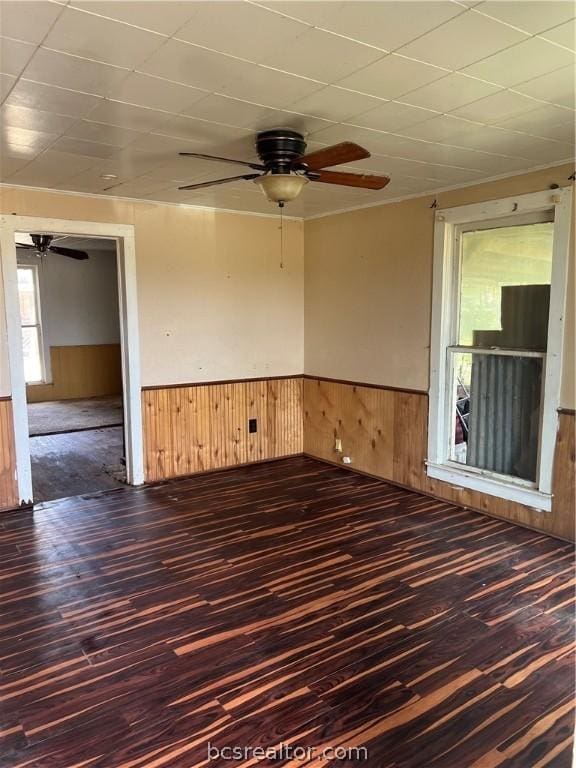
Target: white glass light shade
x=281 y=187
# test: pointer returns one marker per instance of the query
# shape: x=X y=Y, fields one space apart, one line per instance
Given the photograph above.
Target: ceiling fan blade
x=362 y=180
x=221 y=181
x=255 y=166
x=26 y=245
x=70 y=252
x=337 y=154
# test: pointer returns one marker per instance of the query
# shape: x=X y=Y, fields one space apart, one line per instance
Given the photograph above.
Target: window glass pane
x=496 y=412
x=27 y=296
x=32 y=360
x=505 y=287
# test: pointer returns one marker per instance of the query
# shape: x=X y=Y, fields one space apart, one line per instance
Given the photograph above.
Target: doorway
x=70 y=318
x=73 y=347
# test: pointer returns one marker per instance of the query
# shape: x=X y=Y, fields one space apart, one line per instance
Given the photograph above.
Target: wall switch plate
x=252 y=425
x=338 y=445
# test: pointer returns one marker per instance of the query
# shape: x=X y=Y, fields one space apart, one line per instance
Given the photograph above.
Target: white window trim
x=38 y=324
x=23 y=260
x=537 y=495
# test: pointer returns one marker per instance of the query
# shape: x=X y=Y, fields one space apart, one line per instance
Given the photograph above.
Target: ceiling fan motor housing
x=279 y=149
x=41 y=242
x=287 y=168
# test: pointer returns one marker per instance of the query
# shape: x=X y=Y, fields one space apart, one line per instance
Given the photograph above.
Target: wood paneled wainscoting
x=384 y=431
x=8 y=484
x=81 y=371
x=199 y=427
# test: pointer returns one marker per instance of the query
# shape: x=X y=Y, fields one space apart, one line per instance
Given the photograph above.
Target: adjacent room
x=287 y=383
x=68 y=295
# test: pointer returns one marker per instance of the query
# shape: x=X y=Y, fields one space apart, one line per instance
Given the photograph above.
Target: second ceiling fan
x=285 y=167
x=42 y=244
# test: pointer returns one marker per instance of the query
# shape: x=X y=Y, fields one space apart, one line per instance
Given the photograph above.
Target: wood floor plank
x=287 y=603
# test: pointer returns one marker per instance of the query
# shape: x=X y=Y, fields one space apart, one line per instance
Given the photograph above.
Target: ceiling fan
x=41 y=245
x=285 y=168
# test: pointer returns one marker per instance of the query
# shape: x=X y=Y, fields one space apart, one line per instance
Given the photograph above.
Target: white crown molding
x=454 y=187
x=142 y=201
x=338 y=211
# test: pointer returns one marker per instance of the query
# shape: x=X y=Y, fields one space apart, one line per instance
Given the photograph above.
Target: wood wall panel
x=362 y=417
x=357 y=414
x=564 y=478
x=8 y=485
x=410 y=438
x=91 y=370
x=204 y=427
x=284 y=417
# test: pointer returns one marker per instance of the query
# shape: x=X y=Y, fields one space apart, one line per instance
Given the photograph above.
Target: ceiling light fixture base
x=281 y=187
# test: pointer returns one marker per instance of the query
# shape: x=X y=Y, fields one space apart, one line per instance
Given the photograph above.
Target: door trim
x=129 y=336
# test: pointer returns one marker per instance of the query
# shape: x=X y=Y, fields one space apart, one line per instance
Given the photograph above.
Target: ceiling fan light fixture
x=281 y=187
x=285 y=168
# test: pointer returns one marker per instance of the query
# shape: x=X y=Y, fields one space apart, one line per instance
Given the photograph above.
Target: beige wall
x=368 y=286
x=214 y=303
x=213 y=300
x=79 y=298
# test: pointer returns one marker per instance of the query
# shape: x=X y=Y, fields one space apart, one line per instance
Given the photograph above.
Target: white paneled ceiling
x=99 y=97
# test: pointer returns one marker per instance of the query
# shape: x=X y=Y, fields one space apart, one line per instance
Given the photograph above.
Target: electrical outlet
x=252 y=425
x=338 y=445
x=346 y=459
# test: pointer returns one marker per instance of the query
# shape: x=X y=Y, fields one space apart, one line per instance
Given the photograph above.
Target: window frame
x=38 y=324
x=445 y=302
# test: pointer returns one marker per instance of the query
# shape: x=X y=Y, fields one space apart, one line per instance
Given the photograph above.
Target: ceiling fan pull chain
x=281 y=205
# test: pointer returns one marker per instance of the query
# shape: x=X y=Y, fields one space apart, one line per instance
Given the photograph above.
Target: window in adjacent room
x=495 y=379
x=30 y=319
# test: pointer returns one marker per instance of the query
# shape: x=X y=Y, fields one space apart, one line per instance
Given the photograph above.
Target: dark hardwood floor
x=292 y=603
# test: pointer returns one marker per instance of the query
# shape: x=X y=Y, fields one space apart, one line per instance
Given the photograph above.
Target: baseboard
x=215 y=470
x=73 y=431
x=429 y=495
x=24 y=507
x=335 y=464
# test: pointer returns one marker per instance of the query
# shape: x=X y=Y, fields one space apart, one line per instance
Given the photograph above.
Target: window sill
x=530 y=497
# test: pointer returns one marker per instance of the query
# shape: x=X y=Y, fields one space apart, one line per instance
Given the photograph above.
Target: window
x=31 y=324
x=499 y=291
